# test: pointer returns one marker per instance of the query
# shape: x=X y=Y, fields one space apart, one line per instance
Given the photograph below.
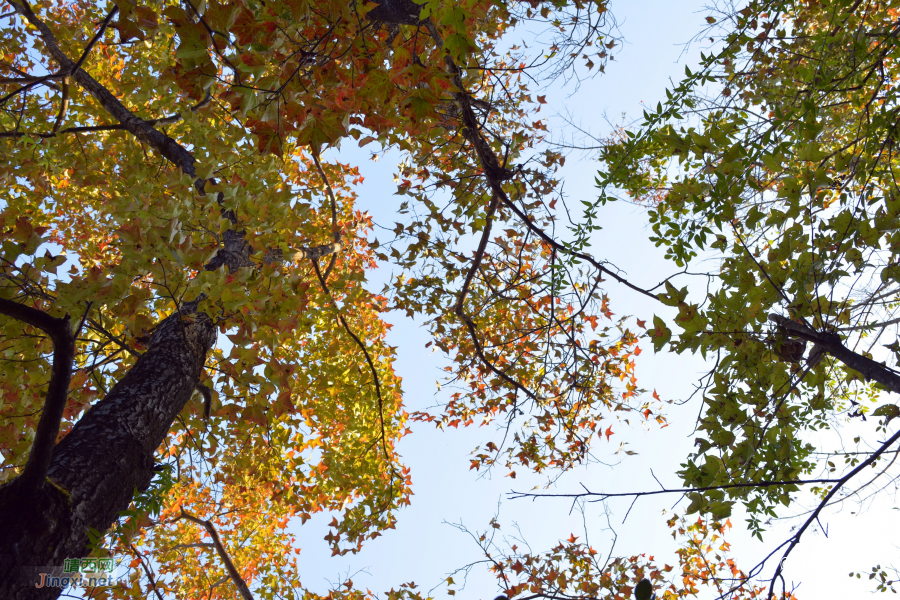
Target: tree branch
x=831 y=343
x=460 y=302
x=63 y=107
x=795 y=539
x=223 y=554
x=140 y=557
x=496 y=174
x=166 y=146
x=167 y=120
x=95 y=39
x=600 y=496
x=45 y=435
x=334 y=228
x=369 y=360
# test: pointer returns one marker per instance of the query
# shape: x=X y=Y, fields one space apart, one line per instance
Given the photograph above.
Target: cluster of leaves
x=880 y=575
x=575 y=570
x=778 y=159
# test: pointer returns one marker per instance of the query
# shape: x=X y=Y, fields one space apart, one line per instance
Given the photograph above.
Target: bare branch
x=601 y=496
x=795 y=539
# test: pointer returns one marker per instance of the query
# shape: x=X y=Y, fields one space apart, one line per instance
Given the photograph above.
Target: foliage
x=575 y=570
x=186 y=162
x=777 y=161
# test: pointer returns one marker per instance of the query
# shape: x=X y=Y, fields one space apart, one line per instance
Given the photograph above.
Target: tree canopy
x=776 y=159
x=193 y=358
x=169 y=218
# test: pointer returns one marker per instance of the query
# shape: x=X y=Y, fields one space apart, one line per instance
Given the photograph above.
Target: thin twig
x=369 y=361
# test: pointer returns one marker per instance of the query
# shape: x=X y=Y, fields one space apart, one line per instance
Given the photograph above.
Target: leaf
x=890 y=411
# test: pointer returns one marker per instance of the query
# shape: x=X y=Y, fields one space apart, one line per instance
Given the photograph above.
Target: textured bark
x=97 y=467
x=95 y=470
x=830 y=343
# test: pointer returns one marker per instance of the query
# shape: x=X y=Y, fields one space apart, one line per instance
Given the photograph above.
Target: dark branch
x=600 y=496
x=223 y=554
x=365 y=351
x=45 y=435
x=95 y=39
x=831 y=343
x=168 y=120
x=63 y=107
x=166 y=146
x=814 y=516
x=334 y=228
x=496 y=174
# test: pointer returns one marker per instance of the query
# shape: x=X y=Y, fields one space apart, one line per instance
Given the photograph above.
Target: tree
x=777 y=159
x=191 y=357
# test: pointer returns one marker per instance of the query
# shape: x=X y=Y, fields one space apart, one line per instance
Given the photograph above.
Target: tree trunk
x=97 y=467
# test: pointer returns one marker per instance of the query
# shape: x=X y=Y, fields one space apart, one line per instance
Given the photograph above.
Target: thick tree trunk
x=97 y=467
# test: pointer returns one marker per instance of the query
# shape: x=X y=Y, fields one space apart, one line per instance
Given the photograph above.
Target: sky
x=425 y=548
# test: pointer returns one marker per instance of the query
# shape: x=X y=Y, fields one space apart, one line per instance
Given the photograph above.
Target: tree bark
x=97 y=467
x=831 y=343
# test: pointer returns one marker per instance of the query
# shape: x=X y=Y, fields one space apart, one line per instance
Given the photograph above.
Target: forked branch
x=223 y=554
x=60 y=332
x=831 y=343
